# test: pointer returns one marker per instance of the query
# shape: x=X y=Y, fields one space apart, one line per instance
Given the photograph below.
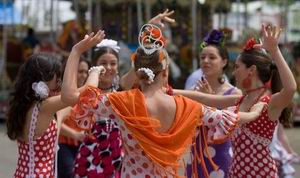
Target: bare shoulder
x=231 y=89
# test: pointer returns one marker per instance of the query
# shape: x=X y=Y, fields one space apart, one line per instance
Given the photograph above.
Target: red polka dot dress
x=100 y=154
x=36 y=158
x=251 y=155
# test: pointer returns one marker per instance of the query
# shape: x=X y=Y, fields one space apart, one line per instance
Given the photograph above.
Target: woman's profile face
x=54 y=84
x=82 y=73
x=240 y=72
x=110 y=63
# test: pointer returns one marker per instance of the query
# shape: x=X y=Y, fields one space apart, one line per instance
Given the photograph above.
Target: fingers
x=170 y=20
x=271 y=31
x=198 y=86
x=264 y=31
x=278 y=32
x=169 y=13
x=268 y=30
x=98 y=36
x=103 y=70
x=203 y=86
x=165 y=16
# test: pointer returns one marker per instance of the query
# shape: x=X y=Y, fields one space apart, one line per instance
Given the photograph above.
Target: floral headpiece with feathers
x=216 y=37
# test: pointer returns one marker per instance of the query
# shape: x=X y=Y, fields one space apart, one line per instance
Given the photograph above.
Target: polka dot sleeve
x=83 y=111
x=219 y=123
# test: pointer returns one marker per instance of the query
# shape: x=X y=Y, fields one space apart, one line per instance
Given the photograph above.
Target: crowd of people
x=71 y=118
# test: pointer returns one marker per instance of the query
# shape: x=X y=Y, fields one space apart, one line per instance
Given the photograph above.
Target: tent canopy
x=9 y=15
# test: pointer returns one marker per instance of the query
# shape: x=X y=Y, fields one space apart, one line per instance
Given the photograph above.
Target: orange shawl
x=162 y=148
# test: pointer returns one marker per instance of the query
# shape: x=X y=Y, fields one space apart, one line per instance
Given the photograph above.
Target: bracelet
x=96 y=69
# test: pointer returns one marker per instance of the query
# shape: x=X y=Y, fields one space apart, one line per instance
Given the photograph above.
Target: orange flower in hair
x=250 y=44
x=161 y=56
x=133 y=56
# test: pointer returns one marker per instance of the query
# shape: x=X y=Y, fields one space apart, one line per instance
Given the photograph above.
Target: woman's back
x=41 y=126
x=36 y=151
x=161 y=107
x=153 y=128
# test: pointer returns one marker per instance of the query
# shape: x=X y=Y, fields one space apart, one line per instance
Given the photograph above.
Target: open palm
x=89 y=41
x=270 y=37
x=162 y=17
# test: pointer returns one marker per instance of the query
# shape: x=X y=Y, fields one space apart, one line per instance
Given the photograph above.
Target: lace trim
x=256 y=138
x=33 y=121
x=56 y=156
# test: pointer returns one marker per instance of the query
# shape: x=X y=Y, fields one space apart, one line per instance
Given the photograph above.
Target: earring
x=247 y=82
x=221 y=79
x=116 y=81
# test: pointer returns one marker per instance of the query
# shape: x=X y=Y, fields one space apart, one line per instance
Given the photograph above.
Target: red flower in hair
x=249 y=44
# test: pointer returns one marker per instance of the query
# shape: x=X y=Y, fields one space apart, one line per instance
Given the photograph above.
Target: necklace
x=254 y=89
x=256 y=99
x=108 y=89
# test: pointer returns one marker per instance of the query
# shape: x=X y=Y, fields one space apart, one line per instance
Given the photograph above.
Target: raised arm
x=70 y=91
x=283 y=98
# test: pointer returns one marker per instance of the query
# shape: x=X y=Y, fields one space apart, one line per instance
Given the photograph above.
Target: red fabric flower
x=249 y=44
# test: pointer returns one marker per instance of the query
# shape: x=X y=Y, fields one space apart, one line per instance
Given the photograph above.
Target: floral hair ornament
x=151 y=38
x=40 y=89
x=216 y=37
x=250 y=44
x=108 y=43
x=149 y=73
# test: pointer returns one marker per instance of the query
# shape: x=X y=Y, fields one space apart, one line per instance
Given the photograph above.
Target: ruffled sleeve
x=83 y=112
x=219 y=123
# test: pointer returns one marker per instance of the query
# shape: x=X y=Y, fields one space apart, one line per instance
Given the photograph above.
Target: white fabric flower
x=149 y=72
x=41 y=89
x=109 y=43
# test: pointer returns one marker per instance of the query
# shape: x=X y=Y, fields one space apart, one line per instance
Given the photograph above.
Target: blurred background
x=29 y=26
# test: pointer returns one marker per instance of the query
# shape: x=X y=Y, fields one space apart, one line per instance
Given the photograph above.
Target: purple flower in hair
x=214 y=37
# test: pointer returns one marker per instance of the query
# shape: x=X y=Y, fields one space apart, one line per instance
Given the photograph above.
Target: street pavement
x=8 y=151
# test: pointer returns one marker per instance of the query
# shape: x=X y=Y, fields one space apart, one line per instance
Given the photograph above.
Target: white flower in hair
x=149 y=72
x=41 y=89
x=109 y=43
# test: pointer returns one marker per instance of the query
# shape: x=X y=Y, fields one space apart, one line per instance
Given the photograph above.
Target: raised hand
x=162 y=17
x=270 y=36
x=203 y=86
x=89 y=41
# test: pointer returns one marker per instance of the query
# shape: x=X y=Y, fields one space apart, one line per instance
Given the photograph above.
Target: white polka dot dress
x=251 y=155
